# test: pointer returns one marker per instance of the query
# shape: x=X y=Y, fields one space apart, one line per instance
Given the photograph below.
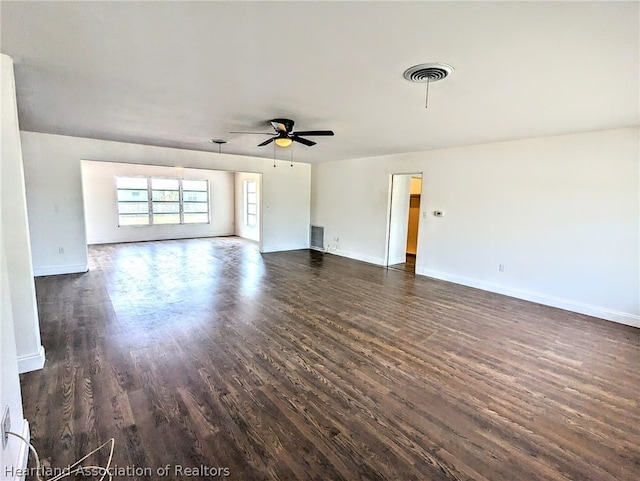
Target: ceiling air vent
x=428 y=71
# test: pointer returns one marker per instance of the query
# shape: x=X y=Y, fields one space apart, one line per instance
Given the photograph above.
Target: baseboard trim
x=155 y=237
x=57 y=270
x=32 y=362
x=379 y=261
x=23 y=454
x=399 y=260
x=566 y=304
x=282 y=248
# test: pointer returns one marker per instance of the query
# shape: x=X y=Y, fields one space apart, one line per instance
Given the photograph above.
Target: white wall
x=242 y=229
x=14 y=253
x=101 y=213
x=399 y=218
x=55 y=204
x=13 y=457
x=16 y=230
x=561 y=213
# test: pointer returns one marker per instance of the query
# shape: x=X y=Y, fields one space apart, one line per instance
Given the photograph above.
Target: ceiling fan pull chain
x=291 y=155
x=274 y=154
x=426 y=99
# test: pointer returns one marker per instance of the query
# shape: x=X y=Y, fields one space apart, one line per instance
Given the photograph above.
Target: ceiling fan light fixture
x=283 y=141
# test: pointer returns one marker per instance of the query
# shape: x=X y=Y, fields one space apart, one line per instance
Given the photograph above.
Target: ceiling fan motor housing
x=283 y=125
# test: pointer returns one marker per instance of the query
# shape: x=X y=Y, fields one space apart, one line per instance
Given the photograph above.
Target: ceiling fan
x=284 y=135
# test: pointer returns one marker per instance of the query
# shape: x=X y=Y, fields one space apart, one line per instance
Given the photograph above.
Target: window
x=133 y=201
x=165 y=201
x=195 y=202
x=251 y=202
x=159 y=201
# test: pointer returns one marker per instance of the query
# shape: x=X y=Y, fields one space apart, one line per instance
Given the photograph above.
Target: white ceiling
x=180 y=73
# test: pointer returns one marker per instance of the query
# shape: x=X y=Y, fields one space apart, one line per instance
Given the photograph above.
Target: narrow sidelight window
x=251 y=202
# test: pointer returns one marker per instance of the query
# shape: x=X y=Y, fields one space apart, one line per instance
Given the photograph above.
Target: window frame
x=204 y=202
x=118 y=201
x=153 y=202
x=150 y=202
x=247 y=215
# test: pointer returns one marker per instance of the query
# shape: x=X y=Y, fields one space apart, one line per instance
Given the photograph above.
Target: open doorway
x=138 y=202
x=404 y=219
x=248 y=208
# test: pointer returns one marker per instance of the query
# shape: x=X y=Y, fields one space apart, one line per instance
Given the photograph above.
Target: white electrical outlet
x=5 y=426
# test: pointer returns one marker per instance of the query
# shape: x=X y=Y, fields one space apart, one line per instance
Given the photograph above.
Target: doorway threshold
x=408 y=266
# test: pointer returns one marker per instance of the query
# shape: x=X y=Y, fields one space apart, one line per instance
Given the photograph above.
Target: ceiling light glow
x=283 y=141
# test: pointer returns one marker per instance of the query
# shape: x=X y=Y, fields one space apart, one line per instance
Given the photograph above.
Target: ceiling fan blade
x=307 y=142
x=267 y=142
x=257 y=133
x=315 y=132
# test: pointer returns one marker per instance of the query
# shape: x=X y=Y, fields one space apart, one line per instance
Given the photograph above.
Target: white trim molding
x=63 y=269
x=31 y=362
x=289 y=247
x=23 y=456
x=566 y=304
x=379 y=261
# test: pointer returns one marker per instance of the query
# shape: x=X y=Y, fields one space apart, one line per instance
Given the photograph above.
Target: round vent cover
x=428 y=71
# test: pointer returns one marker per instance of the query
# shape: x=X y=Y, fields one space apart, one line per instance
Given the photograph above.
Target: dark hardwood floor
x=304 y=366
x=408 y=266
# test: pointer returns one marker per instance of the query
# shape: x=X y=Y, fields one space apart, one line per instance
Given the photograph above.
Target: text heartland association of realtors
x=124 y=471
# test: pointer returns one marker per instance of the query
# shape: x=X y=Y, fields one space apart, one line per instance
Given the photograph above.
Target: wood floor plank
x=306 y=366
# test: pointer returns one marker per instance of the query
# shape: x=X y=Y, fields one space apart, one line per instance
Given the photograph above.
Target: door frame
x=389 y=213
